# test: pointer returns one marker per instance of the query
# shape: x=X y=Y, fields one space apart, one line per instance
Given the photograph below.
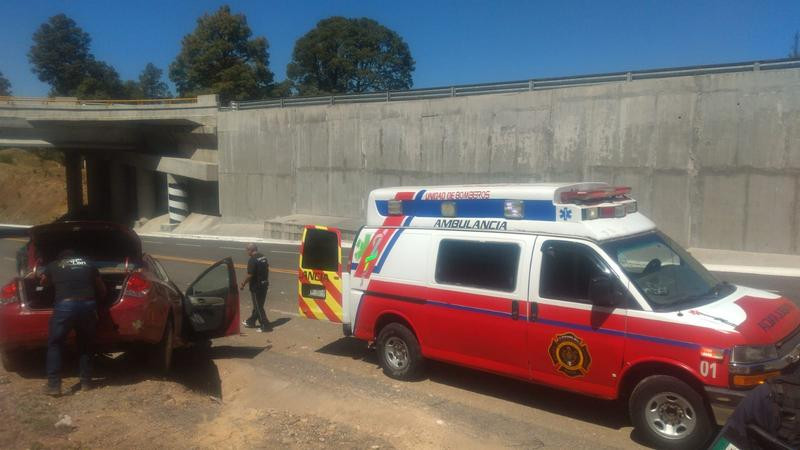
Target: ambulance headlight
x=753 y=353
x=631 y=207
x=514 y=209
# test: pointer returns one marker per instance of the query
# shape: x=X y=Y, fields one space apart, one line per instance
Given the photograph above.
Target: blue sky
x=453 y=42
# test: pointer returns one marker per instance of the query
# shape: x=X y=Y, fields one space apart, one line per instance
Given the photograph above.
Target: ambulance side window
x=485 y=265
x=567 y=268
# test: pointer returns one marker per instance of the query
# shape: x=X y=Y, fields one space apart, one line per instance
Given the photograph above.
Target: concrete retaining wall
x=713 y=159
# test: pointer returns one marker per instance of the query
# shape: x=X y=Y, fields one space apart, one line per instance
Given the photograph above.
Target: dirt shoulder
x=32 y=187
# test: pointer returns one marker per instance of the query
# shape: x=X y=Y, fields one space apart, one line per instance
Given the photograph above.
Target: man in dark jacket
x=77 y=287
x=258 y=279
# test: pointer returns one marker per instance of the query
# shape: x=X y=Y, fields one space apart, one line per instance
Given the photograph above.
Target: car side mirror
x=603 y=291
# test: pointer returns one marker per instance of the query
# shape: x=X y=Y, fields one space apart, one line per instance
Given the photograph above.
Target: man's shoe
x=53 y=391
x=247 y=325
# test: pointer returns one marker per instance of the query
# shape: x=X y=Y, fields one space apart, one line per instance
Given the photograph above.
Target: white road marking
x=233 y=248
x=150 y=242
x=283 y=251
x=188 y=245
x=9 y=259
x=286 y=312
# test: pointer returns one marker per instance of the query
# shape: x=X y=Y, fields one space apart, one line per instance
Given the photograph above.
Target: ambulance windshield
x=667 y=276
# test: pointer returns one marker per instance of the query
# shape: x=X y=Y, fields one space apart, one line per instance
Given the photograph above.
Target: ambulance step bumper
x=723 y=402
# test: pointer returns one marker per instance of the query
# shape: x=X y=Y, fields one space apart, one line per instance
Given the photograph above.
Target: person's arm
x=246 y=281
x=99 y=286
x=250 y=269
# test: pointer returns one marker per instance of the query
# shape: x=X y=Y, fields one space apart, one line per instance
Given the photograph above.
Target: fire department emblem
x=570 y=355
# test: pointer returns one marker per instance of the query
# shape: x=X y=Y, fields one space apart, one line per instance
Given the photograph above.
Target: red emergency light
x=595 y=196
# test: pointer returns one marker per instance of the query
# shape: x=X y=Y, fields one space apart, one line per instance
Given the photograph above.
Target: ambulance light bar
x=609 y=193
x=609 y=212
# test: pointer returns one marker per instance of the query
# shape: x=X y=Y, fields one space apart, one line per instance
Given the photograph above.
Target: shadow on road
x=350 y=348
x=610 y=414
x=278 y=322
x=192 y=367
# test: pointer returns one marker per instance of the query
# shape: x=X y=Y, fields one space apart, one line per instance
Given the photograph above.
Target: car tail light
x=8 y=294
x=137 y=286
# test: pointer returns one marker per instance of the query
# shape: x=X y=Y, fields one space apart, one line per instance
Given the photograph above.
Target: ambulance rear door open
x=320 y=274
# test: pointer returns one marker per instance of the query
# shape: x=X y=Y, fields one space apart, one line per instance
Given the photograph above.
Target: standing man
x=258 y=278
x=77 y=286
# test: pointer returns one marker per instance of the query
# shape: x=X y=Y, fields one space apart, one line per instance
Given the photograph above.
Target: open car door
x=212 y=302
x=320 y=274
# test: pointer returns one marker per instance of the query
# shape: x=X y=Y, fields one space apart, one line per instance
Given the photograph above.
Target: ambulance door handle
x=514 y=309
x=533 y=311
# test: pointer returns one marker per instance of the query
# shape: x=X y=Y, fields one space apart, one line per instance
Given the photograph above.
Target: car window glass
x=487 y=265
x=160 y=269
x=321 y=250
x=214 y=283
x=567 y=269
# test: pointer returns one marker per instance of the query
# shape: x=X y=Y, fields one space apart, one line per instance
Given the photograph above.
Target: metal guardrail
x=11 y=100
x=535 y=84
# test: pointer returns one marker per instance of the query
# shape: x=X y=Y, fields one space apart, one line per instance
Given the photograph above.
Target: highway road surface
x=308 y=366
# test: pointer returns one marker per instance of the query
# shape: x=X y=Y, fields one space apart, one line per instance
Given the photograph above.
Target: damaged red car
x=142 y=310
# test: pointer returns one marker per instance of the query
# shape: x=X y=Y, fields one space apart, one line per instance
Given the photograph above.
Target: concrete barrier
x=713 y=159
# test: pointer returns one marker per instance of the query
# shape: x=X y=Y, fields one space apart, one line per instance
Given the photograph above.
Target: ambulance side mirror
x=603 y=291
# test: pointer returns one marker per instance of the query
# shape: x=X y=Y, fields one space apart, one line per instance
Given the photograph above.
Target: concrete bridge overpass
x=712 y=152
x=131 y=150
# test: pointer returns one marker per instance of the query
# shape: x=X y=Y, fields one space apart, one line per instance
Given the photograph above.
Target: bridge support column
x=145 y=194
x=177 y=194
x=97 y=181
x=120 y=207
x=72 y=163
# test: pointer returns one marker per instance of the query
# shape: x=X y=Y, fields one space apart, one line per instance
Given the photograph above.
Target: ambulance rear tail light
x=595 y=195
x=8 y=293
x=514 y=209
x=604 y=212
x=395 y=207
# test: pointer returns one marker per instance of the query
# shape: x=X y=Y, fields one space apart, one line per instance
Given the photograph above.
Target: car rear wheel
x=161 y=353
x=670 y=414
x=399 y=352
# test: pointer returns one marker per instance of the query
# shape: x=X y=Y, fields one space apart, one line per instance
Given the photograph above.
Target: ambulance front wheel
x=399 y=353
x=670 y=414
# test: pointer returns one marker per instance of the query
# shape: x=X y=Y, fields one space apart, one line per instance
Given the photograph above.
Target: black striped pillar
x=177 y=200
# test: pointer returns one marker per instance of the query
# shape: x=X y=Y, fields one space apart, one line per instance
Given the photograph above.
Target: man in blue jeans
x=77 y=286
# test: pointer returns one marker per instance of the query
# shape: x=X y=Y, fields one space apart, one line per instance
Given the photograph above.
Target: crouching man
x=77 y=286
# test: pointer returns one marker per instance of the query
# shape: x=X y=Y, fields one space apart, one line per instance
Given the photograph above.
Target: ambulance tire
x=398 y=352
x=660 y=399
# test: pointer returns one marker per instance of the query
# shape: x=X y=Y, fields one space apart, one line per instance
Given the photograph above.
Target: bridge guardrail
x=12 y=100
x=533 y=84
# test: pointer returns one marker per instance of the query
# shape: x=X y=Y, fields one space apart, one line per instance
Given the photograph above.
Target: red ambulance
x=566 y=285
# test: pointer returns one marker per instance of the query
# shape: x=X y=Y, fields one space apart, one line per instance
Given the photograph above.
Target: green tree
x=60 y=54
x=350 y=55
x=102 y=82
x=220 y=57
x=150 y=83
x=5 y=85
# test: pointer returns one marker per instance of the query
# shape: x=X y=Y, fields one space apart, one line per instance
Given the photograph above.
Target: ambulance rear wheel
x=399 y=353
x=670 y=414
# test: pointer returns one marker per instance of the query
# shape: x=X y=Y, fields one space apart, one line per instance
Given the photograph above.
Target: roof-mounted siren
x=602 y=203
